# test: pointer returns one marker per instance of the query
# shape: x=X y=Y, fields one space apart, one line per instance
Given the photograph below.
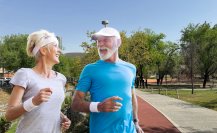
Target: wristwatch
x=135 y=120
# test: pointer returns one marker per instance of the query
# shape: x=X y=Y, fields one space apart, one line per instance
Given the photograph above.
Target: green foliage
x=13 y=56
x=123 y=49
x=199 y=49
x=143 y=48
x=13 y=53
x=79 y=121
x=70 y=67
x=4 y=125
x=91 y=54
x=13 y=127
x=168 y=60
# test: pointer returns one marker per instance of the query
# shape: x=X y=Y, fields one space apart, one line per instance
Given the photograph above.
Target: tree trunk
x=206 y=76
x=161 y=79
x=146 y=83
x=141 y=77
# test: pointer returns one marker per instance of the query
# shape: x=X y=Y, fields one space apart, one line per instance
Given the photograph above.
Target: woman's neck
x=43 y=69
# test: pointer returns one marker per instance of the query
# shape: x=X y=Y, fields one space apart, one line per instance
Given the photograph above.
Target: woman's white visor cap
x=106 y=32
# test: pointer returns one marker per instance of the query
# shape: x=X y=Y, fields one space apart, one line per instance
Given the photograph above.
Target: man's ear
x=119 y=42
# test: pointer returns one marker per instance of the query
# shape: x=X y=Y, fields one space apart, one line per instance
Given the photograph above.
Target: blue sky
x=71 y=19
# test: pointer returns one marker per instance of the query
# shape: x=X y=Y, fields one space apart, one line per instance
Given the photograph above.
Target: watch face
x=135 y=120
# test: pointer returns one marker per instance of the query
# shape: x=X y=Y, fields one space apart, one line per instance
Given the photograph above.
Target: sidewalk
x=186 y=117
x=152 y=121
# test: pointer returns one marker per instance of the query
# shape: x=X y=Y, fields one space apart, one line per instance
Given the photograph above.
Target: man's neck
x=113 y=58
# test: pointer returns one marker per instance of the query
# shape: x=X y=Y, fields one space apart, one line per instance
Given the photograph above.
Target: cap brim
x=98 y=35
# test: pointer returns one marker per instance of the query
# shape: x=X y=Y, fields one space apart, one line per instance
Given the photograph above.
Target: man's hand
x=42 y=96
x=110 y=104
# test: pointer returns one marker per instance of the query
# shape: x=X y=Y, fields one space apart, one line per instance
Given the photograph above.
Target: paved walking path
x=152 y=121
x=186 y=117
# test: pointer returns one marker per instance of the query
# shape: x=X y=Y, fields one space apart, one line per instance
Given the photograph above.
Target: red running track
x=152 y=121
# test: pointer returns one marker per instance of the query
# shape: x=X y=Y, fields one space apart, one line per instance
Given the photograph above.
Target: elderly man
x=110 y=81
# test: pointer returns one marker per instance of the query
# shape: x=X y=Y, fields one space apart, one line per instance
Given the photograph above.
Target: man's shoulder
x=91 y=65
x=128 y=64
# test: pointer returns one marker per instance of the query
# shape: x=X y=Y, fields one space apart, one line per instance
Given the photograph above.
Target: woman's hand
x=42 y=96
x=65 y=123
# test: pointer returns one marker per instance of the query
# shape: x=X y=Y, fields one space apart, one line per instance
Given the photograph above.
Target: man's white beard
x=109 y=53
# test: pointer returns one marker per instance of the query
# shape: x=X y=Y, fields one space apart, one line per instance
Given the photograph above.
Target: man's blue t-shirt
x=103 y=80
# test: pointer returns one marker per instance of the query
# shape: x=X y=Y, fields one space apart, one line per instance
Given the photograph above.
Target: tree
x=13 y=52
x=69 y=66
x=199 y=46
x=91 y=54
x=13 y=56
x=207 y=51
x=165 y=57
x=141 y=48
x=123 y=49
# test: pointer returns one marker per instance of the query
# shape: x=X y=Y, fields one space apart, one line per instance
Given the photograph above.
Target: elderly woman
x=38 y=92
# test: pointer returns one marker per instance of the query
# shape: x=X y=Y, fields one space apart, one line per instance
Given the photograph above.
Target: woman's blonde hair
x=35 y=39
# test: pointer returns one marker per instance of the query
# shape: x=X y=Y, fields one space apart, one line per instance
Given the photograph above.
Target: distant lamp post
x=105 y=23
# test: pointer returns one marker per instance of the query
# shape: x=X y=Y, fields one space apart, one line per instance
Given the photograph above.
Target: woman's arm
x=15 y=107
x=65 y=122
x=78 y=102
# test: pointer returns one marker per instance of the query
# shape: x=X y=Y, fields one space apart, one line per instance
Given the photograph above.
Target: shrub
x=4 y=125
x=79 y=121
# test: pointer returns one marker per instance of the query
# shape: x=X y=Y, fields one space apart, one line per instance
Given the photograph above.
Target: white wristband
x=93 y=107
x=28 y=105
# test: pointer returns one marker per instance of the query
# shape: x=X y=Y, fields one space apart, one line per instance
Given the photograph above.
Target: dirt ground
x=4 y=96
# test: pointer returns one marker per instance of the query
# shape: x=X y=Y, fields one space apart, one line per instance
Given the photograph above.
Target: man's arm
x=135 y=106
x=78 y=102
x=108 y=105
x=135 y=112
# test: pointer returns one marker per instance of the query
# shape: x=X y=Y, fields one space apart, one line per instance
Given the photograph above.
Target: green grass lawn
x=204 y=98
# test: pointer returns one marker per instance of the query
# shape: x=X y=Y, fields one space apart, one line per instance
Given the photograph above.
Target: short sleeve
x=84 y=82
x=20 y=78
x=62 y=78
x=134 y=77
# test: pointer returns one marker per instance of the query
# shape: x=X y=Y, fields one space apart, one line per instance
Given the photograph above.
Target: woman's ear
x=43 y=51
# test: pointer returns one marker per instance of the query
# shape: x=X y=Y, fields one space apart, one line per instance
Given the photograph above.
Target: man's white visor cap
x=107 y=32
